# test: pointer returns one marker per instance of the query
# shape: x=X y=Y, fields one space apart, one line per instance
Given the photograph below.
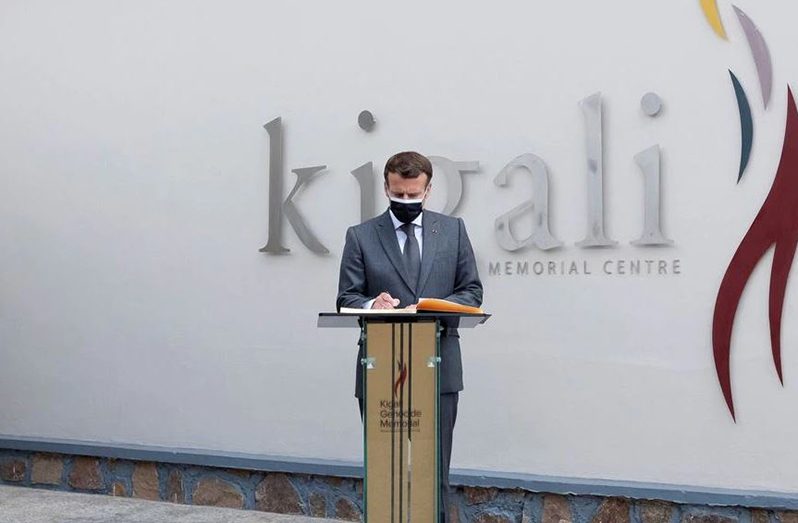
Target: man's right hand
x=385 y=301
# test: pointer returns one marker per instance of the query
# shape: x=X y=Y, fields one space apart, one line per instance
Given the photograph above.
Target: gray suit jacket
x=372 y=263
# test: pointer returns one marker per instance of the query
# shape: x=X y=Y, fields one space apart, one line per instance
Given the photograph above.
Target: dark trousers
x=447 y=416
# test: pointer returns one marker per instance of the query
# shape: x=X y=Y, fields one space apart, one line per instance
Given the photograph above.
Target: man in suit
x=405 y=254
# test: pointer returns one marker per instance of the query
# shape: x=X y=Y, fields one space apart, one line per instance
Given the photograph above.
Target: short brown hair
x=408 y=164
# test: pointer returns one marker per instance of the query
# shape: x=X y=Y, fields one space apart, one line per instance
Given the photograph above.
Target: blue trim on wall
x=691 y=495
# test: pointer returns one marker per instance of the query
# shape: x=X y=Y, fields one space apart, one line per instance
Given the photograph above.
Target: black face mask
x=406 y=210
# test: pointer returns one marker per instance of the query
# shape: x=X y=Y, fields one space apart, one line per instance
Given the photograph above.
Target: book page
x=348 y=310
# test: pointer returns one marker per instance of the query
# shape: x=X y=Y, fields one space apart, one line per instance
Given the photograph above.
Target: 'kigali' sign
x=536 y=207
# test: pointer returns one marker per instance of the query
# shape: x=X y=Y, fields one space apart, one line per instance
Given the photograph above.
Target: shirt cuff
x=369 y=303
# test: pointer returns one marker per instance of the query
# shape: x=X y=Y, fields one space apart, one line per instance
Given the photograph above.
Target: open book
x=424 y=305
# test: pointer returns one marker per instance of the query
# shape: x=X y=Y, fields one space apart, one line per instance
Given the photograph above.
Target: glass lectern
x=400 y=359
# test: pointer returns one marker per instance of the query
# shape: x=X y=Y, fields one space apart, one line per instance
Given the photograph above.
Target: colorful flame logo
x=777 y=220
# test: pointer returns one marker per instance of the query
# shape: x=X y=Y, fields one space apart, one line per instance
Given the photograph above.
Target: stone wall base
x=334 y=497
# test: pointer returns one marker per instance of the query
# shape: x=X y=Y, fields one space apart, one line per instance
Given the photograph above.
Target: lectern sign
x=401 y=441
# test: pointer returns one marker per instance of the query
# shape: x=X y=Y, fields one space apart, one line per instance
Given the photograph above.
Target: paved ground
x=27 y=505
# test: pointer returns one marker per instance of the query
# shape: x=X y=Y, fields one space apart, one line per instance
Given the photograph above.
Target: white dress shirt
x=401 y=237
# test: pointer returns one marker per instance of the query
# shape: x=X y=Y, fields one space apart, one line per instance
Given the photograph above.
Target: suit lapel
x=387 y=235
x=429 y=234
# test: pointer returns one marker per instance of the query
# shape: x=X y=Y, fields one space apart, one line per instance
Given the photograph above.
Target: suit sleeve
x=467 y=286
x=352 y=279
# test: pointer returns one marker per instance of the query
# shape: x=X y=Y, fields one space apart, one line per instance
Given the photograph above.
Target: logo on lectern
x=400 y=380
